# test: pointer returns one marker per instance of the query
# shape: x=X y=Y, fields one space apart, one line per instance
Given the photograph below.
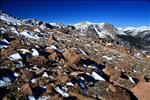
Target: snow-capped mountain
x=130 y=36
x=137 y=31
x=59 y=25
x=133 y=36
x=102 y=30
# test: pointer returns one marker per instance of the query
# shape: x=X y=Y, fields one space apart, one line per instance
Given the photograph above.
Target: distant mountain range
x=138 y=37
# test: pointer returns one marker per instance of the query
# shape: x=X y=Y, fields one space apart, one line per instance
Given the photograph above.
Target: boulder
x=142 y=91
x=71 y=55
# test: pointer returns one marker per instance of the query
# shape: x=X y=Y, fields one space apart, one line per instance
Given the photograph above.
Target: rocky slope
x=85 y=61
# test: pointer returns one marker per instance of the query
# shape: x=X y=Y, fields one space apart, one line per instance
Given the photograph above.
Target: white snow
x=69 y=84
x=63 y=93
x=142 y=28
x=10 y=19
x=131 y=79
x=59 y=25
x=37 y=30
x=82 y=25
x=84 y=65
x=64 y=88
x=42 y=26
x=19 y=64
x=5 y=81
x=43 y=87
x=29 y=35
x=105 y=32
x=107 y=58
x=31 y=98
x=45 y=74
x=109 y=44
x=3 y=30
x=16 y=74
x=137 y=55
x=33 y=80
x=83 y=52
x=4 y=40
x=43 y=98
x=136 y=30
x=24 y=51
x=97 y=77
x=82 y=78
x=99 y=29
x=92 y=66
x=53 y=47
x=15 y=56
x=96 y=49
x=4 y=46
x=35 y=52
x=100 y=34
x=134 y=70
x=14 y=30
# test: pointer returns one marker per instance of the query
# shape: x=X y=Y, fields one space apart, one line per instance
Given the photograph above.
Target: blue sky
x=117 y=12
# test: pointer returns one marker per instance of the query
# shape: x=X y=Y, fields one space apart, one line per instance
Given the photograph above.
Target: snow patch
x=31 y=98
x=97 y=77
x=35 y=52
x=45 y=74
x=62 y=92
x=15 y=56
x=16 y=74
x=5 y=81
x=107 y=58
x=70 y=84
x=29 y=35
x=23 y=51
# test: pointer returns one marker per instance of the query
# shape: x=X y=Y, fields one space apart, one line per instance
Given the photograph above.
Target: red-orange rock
x=51 y=39
x=53 y=56
x=26 y=74
x=50 y=50
x=71 y=55
x=142 y=91
x=111 y=69
x=117 y=93
x=63 y=78
x=26 y=89
x=38 y=60
x=141 y=78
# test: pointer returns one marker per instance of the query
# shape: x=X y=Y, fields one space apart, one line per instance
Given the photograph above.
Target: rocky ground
x=64 y=66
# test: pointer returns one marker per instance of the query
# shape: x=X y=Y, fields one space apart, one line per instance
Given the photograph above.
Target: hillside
x=83 y=61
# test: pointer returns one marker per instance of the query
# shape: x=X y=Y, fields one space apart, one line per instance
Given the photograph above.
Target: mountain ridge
x=129 y=35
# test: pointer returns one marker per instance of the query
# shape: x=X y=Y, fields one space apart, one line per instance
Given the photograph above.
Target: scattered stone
x=69 y=66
